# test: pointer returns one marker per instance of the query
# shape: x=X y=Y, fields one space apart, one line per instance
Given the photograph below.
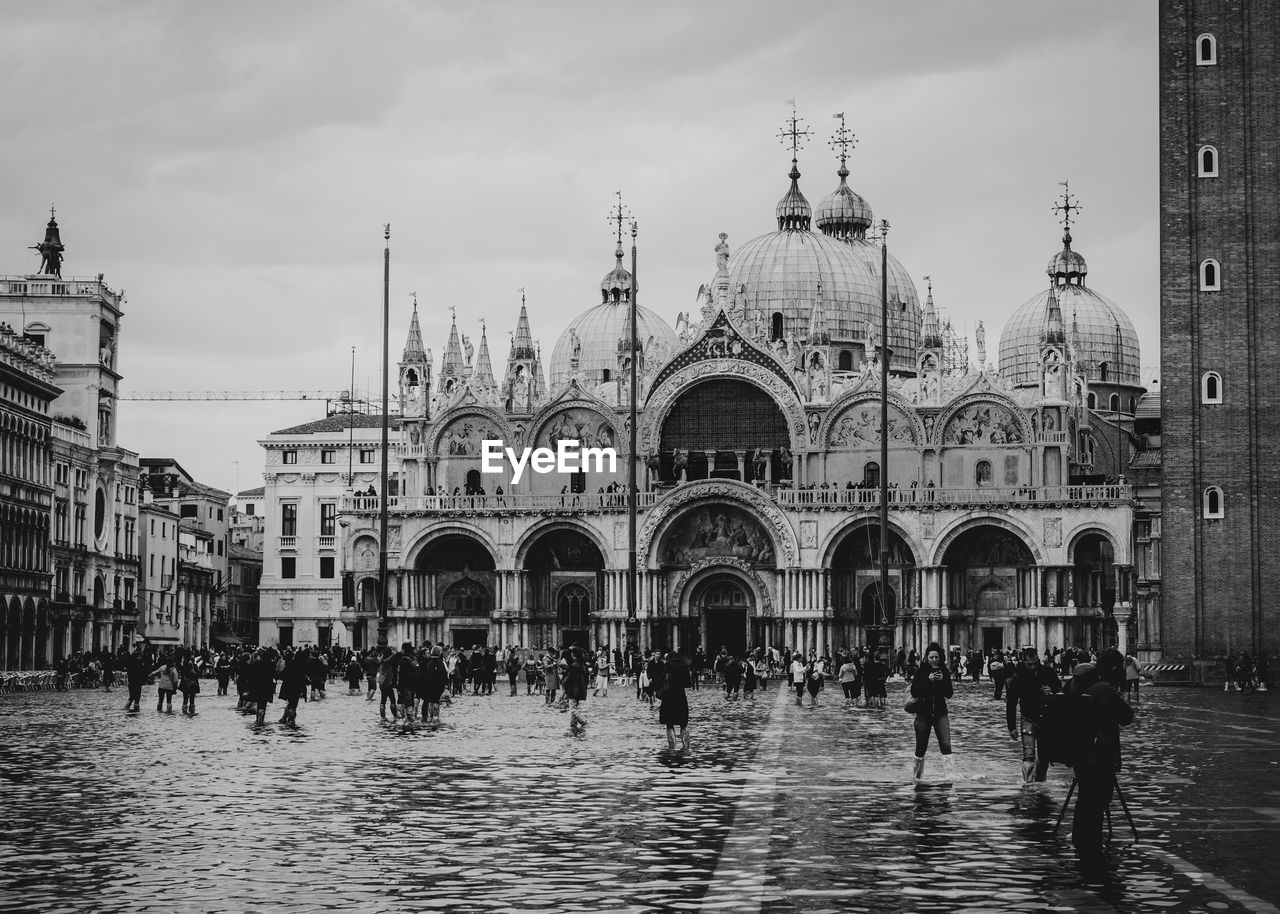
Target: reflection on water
x=500 y=808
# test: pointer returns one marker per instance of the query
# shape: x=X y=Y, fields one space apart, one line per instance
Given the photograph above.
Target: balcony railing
x=495 y=504
x=288 y=542
x=327 y=542
x=817 y=499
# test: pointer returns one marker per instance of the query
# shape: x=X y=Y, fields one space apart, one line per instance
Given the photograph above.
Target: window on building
x=775 y=326
x=220 y=547
x=219 y=514
x=248 y=509
x=604 y=374
x=1214 y=508
x=871 y=475
x=288 y=519
x=1207 y=162
x=982 y=474
x=326 y=456
x=1133 y=405
x=366 y=455
x=1093 y=401
x=288 y=567
x=846 y=360
x=1115 y=403
x=1210 y=276
x=326 y=566
x=328 y=519
x=289 y=457
x=189 y=510
x=1103 y=370
x=1211 y=388
x=1206 y=51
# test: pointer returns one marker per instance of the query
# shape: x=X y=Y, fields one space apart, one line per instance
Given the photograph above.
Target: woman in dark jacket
x=931 y=688
x=434 y=679
x=575 y=684
x=675 y=703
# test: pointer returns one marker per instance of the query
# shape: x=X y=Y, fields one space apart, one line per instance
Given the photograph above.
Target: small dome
x=793 y=210
x=598 y=331
x=1089 y=322
x=616 y=285
x=842 y=213
x=1067 y=265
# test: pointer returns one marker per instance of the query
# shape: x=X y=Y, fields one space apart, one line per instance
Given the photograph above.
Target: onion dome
x=842 y=213
x=793 y=209
x=1067 y=265
x=1102 y=332
x=617 y=283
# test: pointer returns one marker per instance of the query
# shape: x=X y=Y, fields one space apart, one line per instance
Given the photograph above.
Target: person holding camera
x=1097 y=766
x=930 y=690
x=1027 y=687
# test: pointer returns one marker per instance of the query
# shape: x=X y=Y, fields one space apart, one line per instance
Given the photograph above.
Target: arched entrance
x=564 y=588
x=454 y=573
x=855 y=585
x=724 y=605
x=988 y=569
x=719 y=427
x=1093 y=585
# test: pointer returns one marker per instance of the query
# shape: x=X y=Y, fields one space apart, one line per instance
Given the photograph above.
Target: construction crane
x=340 y=395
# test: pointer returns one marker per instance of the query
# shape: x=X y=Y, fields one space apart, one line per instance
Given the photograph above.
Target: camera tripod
x=1115 y=782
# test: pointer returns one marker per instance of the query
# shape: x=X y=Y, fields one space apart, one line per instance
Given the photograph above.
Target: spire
x=522 y=342
x=1052 y=335
x=793 y=210
x=522 y=386
x=931 y=335
x=451 y=364
x=482 y=373
x=818 y=334
x=50 y=249
x=414 y=351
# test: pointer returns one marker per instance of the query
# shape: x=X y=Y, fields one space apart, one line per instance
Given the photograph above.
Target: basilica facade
x=758 y=460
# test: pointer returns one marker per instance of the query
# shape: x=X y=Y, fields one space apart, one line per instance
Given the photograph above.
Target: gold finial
x=793 y=132
x=386 y=231
x=619 y=215
x=929 y=282
x=1067 y=207
x=843 y=139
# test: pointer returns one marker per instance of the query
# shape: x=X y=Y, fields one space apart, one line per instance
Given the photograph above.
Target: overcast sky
x=230 y=165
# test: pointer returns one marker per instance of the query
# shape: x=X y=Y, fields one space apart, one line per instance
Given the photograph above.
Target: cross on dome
x=842 y=140
x=792 y=132
x=1068 y=206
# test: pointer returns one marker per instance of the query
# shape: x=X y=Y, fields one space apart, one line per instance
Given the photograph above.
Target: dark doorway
x=469 y=637
x=992 y=639
x=724 y=606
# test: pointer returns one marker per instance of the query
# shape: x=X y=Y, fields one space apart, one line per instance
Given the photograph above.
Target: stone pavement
x=776 y=809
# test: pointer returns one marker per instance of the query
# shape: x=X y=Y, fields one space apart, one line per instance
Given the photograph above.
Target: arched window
x=1207 y=162
x=871 y=475
x=982 y=473
x=1115 y=403
x=1210 y=276
x=1102 y=371
x=1206 y=51
x=846 y=360
x=1214 y=507
x=573 y=606
x=1093 y=401
x=1133 y=406
x=775 y=328
x=1211 y=387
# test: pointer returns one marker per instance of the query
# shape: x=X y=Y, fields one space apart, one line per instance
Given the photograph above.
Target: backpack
x=1068 y=728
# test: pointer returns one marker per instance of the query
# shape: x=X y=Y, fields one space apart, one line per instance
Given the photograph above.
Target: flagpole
x=383 y=622
x=886 y=640
x=631 y=453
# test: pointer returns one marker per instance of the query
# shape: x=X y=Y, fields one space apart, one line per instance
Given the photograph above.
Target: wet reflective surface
x=776 y=808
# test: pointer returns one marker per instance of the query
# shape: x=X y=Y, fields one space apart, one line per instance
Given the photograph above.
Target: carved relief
x=365 y=552
x=983 y=423
x=462 y=438
x=762 y=507
x=582 y=425
x=808 y=534
x=1053 y=532
x=859 y=426
x=716 y=531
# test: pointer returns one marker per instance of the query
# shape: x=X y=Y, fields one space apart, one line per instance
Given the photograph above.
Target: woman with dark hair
x=930 y=690
x=674 y=711
x=575 y=685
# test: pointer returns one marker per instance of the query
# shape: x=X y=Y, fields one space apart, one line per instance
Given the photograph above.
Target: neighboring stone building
x=758 y=459
x=248 y=522
x=158 y=614
x=1220 y=340
x=309 y=468
x=239 y=625
x=95 y=511
x=27 y=388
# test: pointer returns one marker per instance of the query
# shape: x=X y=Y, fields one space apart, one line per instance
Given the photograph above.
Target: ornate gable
x=720 y=341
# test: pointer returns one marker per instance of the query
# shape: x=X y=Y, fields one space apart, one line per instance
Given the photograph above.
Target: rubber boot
x=917 y=768
x=949 y=768
x=1028 y=771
